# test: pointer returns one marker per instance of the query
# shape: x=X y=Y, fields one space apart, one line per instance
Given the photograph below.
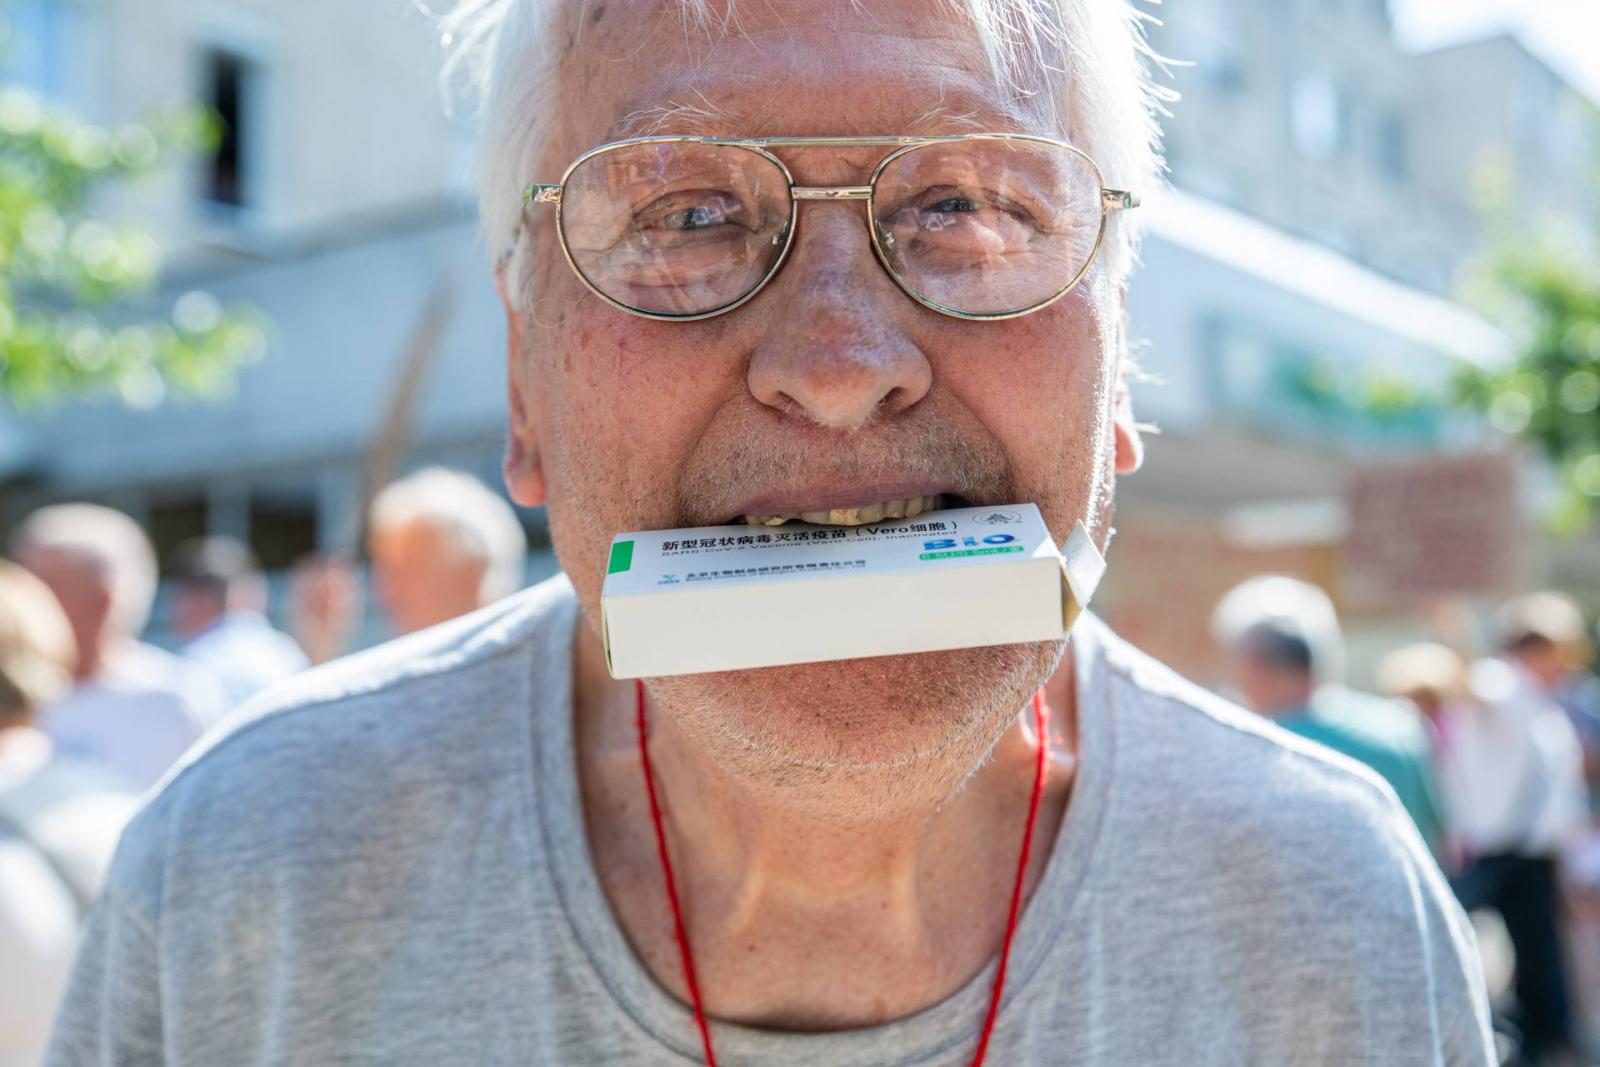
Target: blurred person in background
x=219 y=604
x=1285 y=655
x=1519 y=802
x=134 y=708
x=1558 y=653
x=1432 y=677
x=325 y=605
x=442 y=545
x=58 y=821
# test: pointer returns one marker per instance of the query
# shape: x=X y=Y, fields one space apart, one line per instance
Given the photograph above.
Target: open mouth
x=908 y=507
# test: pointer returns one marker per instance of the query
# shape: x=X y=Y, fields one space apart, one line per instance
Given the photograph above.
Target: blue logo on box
x=970 y=542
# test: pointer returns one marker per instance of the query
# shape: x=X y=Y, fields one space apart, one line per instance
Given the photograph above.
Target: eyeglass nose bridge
x=831 y=192
x=839 y=194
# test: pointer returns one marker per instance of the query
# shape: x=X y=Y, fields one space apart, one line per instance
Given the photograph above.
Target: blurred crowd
x=1491 y=743
x=92 y=716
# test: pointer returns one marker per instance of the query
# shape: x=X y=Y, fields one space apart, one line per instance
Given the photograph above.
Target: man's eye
x=940 y=207
x=951 y=205
x=691 y=212
x=695 y=218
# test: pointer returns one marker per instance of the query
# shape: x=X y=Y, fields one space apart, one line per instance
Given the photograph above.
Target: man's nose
x=836 y=350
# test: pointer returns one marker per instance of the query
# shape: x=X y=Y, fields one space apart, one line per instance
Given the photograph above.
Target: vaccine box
x=728 y=598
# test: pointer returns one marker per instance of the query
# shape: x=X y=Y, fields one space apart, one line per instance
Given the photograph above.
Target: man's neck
x=807 y=912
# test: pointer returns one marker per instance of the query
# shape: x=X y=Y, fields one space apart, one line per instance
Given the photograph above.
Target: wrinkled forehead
x=636 y=67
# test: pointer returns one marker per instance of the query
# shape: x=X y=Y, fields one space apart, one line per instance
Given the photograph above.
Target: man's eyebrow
x=674 y=117
x=989 y=118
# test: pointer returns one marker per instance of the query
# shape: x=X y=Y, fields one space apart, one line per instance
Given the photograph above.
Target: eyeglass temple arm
x=541 y=194
x=1119 y=199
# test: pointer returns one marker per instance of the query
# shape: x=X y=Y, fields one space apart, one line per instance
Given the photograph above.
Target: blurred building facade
x=338 y=203
x=1309 y=115
x=1332 y=192
x=1325 y=203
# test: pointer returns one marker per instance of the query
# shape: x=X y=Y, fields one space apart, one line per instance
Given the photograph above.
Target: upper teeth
x=903 y=508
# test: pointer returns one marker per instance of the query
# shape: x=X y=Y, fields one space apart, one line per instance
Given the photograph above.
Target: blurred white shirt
x=137 y=716
x=246 y=654
x=58 y=827
x=1511 y=768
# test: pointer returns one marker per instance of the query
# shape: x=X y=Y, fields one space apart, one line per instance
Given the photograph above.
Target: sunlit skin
x=422 y=578
x=83 y=587
x=835 y=873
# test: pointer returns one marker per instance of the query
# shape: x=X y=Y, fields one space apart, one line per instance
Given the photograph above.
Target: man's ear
x=522 y=468
x=1130 y=446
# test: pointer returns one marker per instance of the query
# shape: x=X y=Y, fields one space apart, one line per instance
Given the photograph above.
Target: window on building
x=1318 y=115
x=283 y=528
x=229 y=85
x=175 y=518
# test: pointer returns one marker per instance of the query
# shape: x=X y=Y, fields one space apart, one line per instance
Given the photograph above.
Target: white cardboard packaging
x=735 y=597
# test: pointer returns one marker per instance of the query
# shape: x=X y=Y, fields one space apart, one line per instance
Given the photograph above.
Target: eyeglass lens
x=979 y=227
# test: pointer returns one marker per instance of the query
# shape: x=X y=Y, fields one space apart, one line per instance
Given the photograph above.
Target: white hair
x=107 y=540
x=1286 y=606
x=1093 y=50
x=477 y=522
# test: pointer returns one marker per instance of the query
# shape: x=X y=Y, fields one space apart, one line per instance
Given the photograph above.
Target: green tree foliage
x=75 y=290
x=1550 y=396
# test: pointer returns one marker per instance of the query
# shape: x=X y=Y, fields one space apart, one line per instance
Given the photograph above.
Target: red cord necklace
x=1042 y=763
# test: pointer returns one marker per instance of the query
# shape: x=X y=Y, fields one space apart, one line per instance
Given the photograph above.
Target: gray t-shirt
x=385 y=864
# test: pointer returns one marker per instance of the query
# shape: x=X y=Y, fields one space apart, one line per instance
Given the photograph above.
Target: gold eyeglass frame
x=1110 y=200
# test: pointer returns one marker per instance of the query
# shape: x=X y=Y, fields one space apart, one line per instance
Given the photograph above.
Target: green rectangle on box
x=1007 y=550
x=621 y=557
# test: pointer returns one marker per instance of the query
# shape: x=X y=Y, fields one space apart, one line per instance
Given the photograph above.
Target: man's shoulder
x=1224 y=771
x=1275 y=857
x=1280 y=835
x=379 y=731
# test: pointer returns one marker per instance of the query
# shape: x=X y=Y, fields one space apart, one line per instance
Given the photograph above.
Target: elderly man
x=442 y=545
x=133 y=708
x=475 y=846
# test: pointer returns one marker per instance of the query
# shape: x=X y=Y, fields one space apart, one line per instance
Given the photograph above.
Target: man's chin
x=862 y=717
